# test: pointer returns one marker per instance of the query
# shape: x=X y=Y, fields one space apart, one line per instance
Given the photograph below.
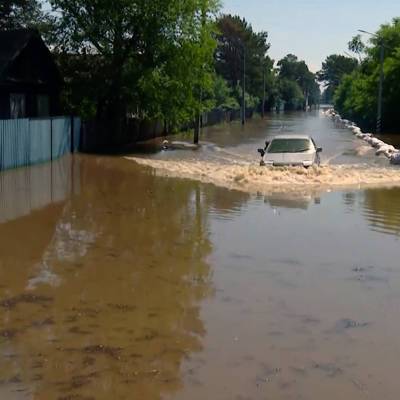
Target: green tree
x=149 y=56
x=357 y=46
x=297 y=84
x=357 y=95
x=291 y=93
x=15 y=14
x=334 y=68
x=237 y=39
x=224 y=95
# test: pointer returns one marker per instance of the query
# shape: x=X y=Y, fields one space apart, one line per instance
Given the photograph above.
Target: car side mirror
x=262 y=152
x=319 y=149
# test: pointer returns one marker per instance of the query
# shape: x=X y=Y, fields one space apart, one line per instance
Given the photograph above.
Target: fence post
x=1 y=145
x=51 y=139
x=28 y=146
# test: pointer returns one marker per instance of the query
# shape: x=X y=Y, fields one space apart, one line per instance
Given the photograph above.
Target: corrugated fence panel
x=61 y=136
x=40 y=150
x=14 y=141
x=30 y=141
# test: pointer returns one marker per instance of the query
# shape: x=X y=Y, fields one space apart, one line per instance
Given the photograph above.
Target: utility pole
x=380 y=94
x=197 y=122
x=197 y=129
x=307 y=98
x=263 y=102
x=381 y=80
x=244 y=87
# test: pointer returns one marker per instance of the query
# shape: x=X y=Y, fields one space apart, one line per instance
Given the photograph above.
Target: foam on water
x=250 y=177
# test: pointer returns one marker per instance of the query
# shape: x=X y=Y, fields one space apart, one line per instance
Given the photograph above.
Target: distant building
x=30 y=82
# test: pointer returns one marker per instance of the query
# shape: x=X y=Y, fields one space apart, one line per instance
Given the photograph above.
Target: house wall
x=33 y=73
x=31 y=94
x=4 y=104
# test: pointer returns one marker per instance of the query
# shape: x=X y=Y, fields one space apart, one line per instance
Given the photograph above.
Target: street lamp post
x=381 y=80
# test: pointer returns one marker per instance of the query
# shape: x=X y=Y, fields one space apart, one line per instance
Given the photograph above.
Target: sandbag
x=395 y=159
x=386 y=149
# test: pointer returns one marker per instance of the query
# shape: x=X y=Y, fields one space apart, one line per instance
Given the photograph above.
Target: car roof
x=292 y=137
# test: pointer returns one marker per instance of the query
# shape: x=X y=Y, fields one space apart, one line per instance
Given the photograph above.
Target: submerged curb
x=386 y=149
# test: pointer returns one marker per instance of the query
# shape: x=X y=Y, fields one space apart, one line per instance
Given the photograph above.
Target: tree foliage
x=357 y=46
x=357 y=95
x=334 y=68
x=236 y=40
x=152 y=54
x=15 y=14
x=160 y=60
x=225 y=97
x=297 y=84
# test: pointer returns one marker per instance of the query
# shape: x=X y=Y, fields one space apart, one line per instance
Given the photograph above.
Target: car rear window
x=289 y=146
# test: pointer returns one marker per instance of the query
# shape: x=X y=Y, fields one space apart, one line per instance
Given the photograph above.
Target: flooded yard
x=118 y=282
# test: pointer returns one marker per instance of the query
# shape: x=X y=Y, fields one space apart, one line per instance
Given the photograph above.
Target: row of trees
x=353 y=83
x=163 y=59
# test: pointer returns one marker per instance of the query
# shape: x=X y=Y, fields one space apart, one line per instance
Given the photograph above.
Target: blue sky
x=313 y=29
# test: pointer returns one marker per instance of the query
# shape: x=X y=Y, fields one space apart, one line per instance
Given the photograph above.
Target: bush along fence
x=26 y=142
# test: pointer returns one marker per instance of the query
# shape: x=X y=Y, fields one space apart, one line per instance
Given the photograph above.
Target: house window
x=17 y=105
x=43 y=105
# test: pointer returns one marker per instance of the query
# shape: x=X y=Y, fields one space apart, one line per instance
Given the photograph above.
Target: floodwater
x=117 y=283
x=228 y=157
x=231 y=143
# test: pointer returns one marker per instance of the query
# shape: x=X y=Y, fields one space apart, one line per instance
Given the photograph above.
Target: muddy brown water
x=118 y=284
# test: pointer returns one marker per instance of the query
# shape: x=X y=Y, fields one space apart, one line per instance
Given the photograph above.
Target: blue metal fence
x=30 y=141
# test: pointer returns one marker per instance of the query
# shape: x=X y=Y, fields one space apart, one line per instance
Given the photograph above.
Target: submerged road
x=116 y=283
x=227 y=156
x=234 y=143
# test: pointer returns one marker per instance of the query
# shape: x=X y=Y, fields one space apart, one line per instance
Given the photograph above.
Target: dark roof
x=11 y=45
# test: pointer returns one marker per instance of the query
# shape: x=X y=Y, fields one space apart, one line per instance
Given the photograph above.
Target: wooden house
x=30 y=82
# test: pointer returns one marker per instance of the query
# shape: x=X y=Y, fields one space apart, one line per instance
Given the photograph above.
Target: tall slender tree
x=236 y=39
x=334 y=68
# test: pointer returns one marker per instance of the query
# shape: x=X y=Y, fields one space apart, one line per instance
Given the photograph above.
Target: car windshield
x=289 y=146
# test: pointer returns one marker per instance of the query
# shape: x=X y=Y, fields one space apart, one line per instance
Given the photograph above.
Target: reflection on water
x=120 y=284
x=27 y=189
x=382 y=210
x=293 y=200
x=105 y=300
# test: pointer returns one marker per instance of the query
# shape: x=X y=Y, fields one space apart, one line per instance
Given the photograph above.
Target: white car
x=296 y=150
